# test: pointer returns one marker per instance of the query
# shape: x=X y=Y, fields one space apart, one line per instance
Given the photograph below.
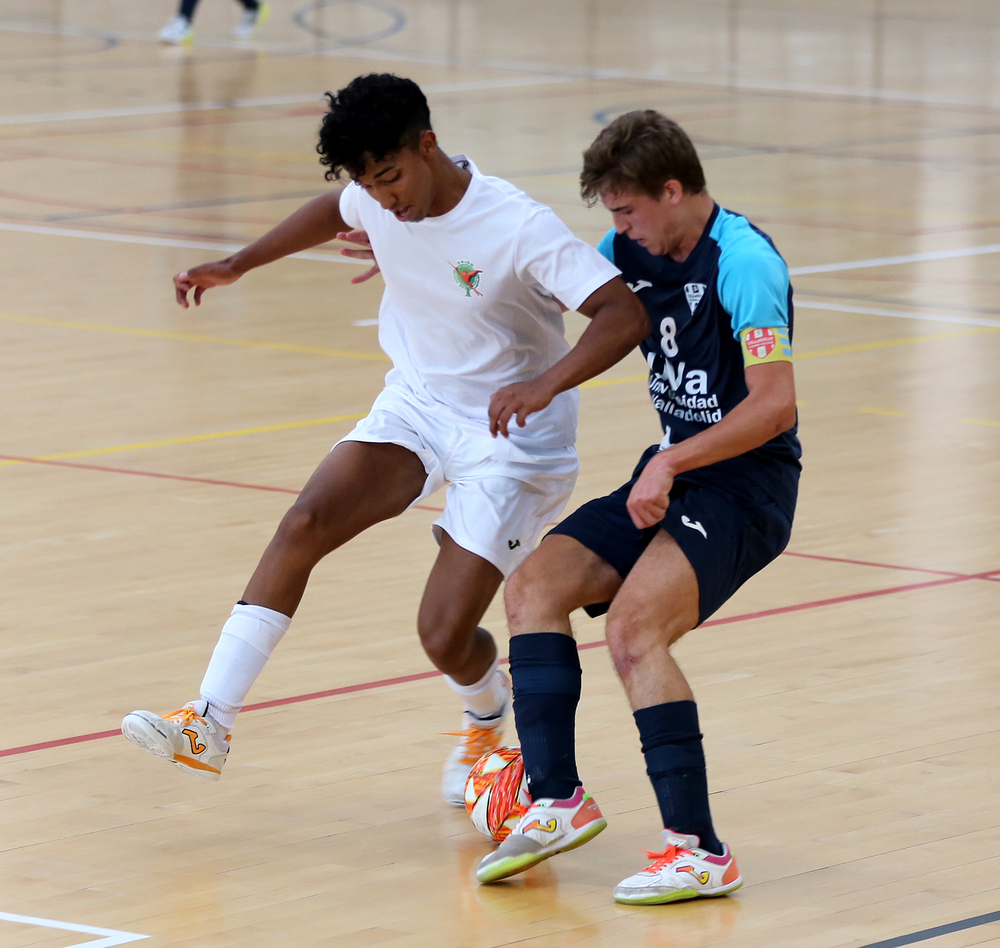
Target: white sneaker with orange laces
x=188 y=737
x=478 y=736
x=681 y=871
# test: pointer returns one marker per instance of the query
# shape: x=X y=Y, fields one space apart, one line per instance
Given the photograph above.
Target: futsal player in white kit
x=475 y=274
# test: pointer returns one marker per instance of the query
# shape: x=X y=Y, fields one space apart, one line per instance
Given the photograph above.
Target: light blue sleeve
x=606 y=248
x=753 y=283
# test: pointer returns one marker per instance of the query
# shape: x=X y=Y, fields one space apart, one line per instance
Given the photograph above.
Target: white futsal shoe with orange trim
x=188 y=737
x=478 y=736
x=681 y=871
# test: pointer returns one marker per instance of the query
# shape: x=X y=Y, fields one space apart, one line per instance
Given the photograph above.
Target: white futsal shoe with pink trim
x=187 y=737
x=681 y=871
x=549 y=827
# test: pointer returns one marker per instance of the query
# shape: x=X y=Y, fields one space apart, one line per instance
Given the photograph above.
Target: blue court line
x=397 y=17
x=929 y=933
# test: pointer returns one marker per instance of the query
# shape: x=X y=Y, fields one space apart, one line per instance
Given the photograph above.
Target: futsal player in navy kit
x=704 y=510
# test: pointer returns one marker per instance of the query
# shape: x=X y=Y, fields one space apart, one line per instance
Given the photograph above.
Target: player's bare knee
x=626 y=643
x=533 y=592
x=302 y=526
x=520 y=590
x=448 y=645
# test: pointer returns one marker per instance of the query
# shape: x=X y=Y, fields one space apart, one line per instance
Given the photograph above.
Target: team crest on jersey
x=694 y=292
x=466 y=276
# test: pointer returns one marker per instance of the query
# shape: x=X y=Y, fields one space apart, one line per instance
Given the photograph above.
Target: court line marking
x=16 y=459
x=190 y=439
x=423 y=676
x=168 y=108
x=160 y=241
x=193 y=337
x=379 y=357
x=892 y=261
x=112 y=936
x=975 y=922
x=171 y=477
x=8 y=460
x=980 y=421
x=888 y=343
x=898 y=313
x=175 y=477
x=540 y=71
x=841 y=559
x=334 y=258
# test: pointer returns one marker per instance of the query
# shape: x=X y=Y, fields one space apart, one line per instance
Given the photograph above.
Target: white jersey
x=470 y=302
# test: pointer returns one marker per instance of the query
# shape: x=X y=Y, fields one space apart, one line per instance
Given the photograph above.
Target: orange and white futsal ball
x=496 y=793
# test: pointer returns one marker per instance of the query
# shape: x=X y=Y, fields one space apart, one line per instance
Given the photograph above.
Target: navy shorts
x=727 y=535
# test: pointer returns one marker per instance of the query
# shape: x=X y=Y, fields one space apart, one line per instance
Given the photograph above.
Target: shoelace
x=669 y=855
x=184 y=716
x=476 y=740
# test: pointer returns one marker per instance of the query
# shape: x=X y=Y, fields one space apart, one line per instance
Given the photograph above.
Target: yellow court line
x=191 y=337
x=904 y=341
x=380 y=357
x=881 y=411
x=187 y=440
x=836 y=350
x=980 y=421
x=593 y=383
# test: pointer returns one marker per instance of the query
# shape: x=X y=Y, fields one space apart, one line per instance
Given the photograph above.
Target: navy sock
x=675 y=764
x=545 y=672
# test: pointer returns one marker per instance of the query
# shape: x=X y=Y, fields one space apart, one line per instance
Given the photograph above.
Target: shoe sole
x=144 y=733
x=503 y=868
x=680 y=895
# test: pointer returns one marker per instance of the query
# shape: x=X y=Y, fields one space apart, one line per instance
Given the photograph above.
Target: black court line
x=929 y=933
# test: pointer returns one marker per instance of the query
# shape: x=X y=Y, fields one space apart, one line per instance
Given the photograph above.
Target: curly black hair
x=370 y=118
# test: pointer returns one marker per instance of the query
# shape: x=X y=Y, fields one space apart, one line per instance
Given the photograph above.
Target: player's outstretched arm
x=767 y=411
x=314 y=223
x=618 y=323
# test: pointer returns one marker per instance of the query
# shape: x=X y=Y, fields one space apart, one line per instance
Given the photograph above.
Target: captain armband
x=765 y=345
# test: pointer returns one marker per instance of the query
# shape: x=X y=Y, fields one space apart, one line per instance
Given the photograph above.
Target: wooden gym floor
x=848 y=693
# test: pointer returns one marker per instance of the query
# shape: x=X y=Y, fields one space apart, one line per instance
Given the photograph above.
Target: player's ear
x=673 y=191
x=428 y=143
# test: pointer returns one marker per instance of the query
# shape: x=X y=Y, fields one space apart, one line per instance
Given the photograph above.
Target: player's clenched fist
x=200 y=278
x=518 y=400
x=650 y=495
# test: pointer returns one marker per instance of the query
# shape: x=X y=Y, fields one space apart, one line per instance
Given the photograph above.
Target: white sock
x=247 y=640
x=485 y=698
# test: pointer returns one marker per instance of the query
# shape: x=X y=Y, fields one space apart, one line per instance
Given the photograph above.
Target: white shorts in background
x=500 y=497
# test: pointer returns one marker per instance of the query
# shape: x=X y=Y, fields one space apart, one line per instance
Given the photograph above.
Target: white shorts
x=500 y=497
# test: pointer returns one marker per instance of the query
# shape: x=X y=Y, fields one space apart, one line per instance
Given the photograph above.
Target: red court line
x=122 y=470
x=289 y=490
x=423 y=676
x=840 y=559
x=170 y=477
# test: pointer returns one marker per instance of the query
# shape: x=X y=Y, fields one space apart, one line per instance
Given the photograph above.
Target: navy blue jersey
x=734 y=286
